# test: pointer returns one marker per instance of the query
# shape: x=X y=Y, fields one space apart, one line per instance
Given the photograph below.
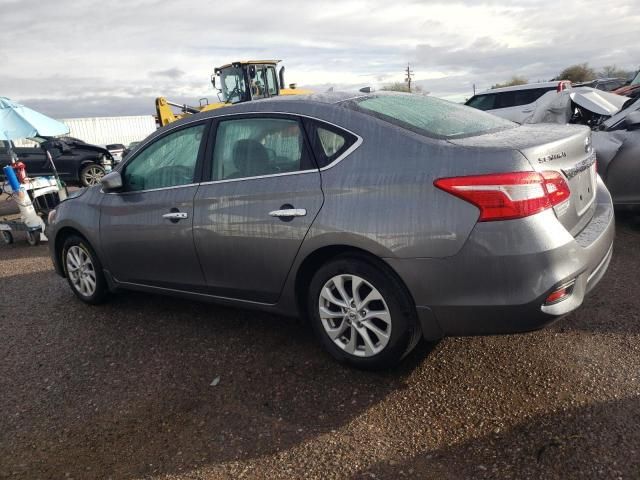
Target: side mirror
x=632 y=121
x=111 y=181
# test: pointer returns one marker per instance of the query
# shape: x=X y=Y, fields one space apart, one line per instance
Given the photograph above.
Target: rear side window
x=328 y=142
x=505 y=100
x=429 y=116
x=253 y=147
x=525 y=97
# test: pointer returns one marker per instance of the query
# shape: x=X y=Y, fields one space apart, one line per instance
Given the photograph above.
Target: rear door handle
x=175 y=216
x=288 y=212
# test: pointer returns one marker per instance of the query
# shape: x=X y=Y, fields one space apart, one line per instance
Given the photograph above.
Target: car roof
x=288 y=103
x=527 y=86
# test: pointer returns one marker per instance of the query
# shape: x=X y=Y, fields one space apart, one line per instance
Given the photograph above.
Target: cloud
x=111 y=56
x=173 y=73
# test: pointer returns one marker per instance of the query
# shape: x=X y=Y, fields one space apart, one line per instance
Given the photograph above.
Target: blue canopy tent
x=18 y=121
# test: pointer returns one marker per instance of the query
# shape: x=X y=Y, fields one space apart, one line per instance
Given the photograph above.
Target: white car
x=515 y=103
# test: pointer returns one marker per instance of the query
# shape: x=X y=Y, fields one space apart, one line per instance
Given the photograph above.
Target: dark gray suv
x=381 y=218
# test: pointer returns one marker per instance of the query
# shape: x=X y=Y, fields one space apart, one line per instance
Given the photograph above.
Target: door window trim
x=296 y=116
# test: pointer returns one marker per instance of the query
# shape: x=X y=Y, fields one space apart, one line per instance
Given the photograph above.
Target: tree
x=515 y=80
x=611 y=71
x=402 y=87
x=580 y=72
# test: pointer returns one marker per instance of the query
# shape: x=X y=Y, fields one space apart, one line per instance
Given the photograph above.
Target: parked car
x=618 y=146
x=129 y=148
x=77 y=162
x=116 y=150
x=605 y=84
x=615 y=121
x=381 y=218
x=517 y=102
x=632 y=89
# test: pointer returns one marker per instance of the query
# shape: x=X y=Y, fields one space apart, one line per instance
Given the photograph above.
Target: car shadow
x=612 y=307
x=148 y=385
x=592 y=441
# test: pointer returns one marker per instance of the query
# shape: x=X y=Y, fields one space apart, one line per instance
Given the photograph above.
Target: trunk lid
x=562 y=148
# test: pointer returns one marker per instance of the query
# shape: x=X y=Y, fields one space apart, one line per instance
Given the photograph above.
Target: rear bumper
x=499 y=281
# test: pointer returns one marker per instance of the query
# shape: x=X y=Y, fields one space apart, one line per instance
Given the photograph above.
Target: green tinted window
x=430 y=116
x=331 y=142
x=257 y=146
x=167 y=162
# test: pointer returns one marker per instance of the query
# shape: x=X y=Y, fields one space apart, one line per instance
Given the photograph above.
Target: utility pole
x=409 y=73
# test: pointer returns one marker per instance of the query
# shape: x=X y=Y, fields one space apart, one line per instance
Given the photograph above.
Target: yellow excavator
x=238 y=82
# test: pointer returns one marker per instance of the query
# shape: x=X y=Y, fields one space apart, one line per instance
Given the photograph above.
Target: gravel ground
x=128 y=390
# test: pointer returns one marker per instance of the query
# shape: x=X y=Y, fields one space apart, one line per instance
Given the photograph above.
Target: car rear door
x=251 y=217
x=146 y=229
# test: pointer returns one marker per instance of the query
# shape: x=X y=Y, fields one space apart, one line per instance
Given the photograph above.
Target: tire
x=91 y=174
x=83 y=270
x=33 y=238
x=7 y=237
x=391 y=335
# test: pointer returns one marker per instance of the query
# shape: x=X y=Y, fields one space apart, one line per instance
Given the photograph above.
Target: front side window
x=258 y=146
x=167 y=162
x=233 y=85
x=429 y=116
x=483 y=102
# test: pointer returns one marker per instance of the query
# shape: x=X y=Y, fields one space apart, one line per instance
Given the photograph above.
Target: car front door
x=146 y=229
x=252 y=216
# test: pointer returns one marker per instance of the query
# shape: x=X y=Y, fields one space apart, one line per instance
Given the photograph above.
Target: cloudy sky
x=113 y=57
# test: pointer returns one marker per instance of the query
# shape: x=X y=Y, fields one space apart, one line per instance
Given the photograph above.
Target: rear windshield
x=429 y=116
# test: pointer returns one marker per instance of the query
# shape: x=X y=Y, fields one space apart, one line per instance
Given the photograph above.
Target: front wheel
x=361 y=313
x=84 y=271
x=33 y=238
x=91 y=175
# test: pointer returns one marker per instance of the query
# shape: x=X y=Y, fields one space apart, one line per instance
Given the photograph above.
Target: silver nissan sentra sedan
x=380 y=218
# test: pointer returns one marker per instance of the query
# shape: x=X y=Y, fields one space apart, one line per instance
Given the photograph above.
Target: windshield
x=429 y=116
x=234 y=89
x=636 y=81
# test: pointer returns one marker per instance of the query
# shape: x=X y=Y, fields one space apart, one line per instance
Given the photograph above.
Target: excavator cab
x=245 y=81
x=237 y=82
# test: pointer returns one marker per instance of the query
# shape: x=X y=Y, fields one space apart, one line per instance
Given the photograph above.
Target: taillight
x=505 y=196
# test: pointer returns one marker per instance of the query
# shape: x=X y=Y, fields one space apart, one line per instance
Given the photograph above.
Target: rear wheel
x=84 y=271
x=91 y=175
x=361 y=313
x=7 y=237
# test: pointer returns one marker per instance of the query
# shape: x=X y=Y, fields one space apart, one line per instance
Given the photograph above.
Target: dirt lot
x=125 y=391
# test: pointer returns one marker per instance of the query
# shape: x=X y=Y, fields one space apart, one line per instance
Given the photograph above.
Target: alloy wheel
x=355 y=315
x=81 y=271
x=92 y=175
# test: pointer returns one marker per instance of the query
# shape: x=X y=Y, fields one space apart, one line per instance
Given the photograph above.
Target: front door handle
x=175 y=216
x=288 y=212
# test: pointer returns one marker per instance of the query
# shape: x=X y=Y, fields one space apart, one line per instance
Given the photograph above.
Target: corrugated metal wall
x=106 y=130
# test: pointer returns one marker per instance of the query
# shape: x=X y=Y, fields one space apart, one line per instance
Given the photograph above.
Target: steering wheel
x=236 y=92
